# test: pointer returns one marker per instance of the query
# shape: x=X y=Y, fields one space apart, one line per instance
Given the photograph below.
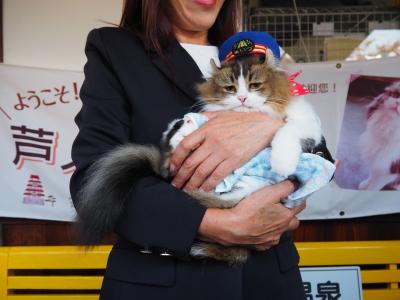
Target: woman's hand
x=224 y=143
x=259 y=220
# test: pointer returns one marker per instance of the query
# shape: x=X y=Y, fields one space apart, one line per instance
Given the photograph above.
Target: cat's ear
x=270 y=60
x=376 y=101
x=214 y=66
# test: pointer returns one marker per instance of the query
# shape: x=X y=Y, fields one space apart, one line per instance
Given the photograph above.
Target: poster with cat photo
x=369 y=143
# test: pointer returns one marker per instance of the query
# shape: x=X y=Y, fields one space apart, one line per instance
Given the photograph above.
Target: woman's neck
x=191 y=37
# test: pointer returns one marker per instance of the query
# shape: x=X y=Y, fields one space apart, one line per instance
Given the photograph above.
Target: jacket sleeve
x=155 y=215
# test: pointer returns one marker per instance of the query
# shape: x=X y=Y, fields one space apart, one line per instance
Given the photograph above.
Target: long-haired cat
x=245 y=84
x=379 y=143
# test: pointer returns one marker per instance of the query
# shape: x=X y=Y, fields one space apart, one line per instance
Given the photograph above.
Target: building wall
x=52 y=33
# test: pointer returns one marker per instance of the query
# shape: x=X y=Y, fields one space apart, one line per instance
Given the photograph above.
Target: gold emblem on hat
x=243 y=47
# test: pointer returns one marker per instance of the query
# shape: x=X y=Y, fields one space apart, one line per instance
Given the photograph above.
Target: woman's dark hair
x=149 y=20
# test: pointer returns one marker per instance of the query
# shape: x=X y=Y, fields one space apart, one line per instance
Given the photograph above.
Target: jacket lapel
x=181 y=69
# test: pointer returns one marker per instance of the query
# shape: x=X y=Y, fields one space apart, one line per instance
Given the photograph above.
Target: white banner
x=329 y=83
x=37 y=108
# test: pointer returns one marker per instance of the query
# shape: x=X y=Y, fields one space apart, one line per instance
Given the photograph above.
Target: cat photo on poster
x=369 y=151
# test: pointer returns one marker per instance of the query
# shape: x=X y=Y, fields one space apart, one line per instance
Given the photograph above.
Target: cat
x=265 y=88
x=379 y=143
x=246 y=84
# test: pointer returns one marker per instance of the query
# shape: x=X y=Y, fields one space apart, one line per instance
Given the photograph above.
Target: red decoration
x=297 y=89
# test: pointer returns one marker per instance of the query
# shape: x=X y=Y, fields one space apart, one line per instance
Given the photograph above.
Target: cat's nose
x=242 y=98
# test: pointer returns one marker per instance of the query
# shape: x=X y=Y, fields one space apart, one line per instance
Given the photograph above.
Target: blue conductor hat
x=248 y=43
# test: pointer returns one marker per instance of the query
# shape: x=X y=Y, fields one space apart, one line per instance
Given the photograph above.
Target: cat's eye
x=394 y=95
x=254 y=86
x=230 y=88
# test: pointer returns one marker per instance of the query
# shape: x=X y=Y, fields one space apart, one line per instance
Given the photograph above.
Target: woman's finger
x=203 y=171
x=262 y=247
x=276 y=192
x=275 y=242
x=269 y=241
x=299 y=209
x=293 y=224
x=220 y=172
x=185 y=147
x=190 y=165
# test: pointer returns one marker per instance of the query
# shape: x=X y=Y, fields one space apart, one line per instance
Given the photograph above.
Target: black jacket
x=130 y=95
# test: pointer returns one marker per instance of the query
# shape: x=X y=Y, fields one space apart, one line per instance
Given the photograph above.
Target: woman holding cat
x=138 y=78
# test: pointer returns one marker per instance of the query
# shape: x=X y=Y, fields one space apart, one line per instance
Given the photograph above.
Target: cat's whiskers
x=199 y=104
x=366 y=99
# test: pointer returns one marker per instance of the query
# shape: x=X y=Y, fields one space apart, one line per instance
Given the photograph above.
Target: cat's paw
x=284 y=162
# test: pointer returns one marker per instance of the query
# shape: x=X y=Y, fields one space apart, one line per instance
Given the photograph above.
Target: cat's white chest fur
x=301 y=123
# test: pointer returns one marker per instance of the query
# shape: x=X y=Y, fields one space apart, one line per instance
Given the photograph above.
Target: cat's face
x=389 y=100
x=248 y=84
x=393 y=97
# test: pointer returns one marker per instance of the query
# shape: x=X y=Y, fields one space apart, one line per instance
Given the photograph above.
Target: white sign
x=323 y=29
x=37 y=110
x=333 y=283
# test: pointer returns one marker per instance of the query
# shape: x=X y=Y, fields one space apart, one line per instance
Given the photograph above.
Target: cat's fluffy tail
x=108 y=182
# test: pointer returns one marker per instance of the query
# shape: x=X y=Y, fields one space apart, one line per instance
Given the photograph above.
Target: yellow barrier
x=379 y=262
x=69 y=272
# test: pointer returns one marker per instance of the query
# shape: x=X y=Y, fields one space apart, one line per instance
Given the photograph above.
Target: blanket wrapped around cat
x=313 y=172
